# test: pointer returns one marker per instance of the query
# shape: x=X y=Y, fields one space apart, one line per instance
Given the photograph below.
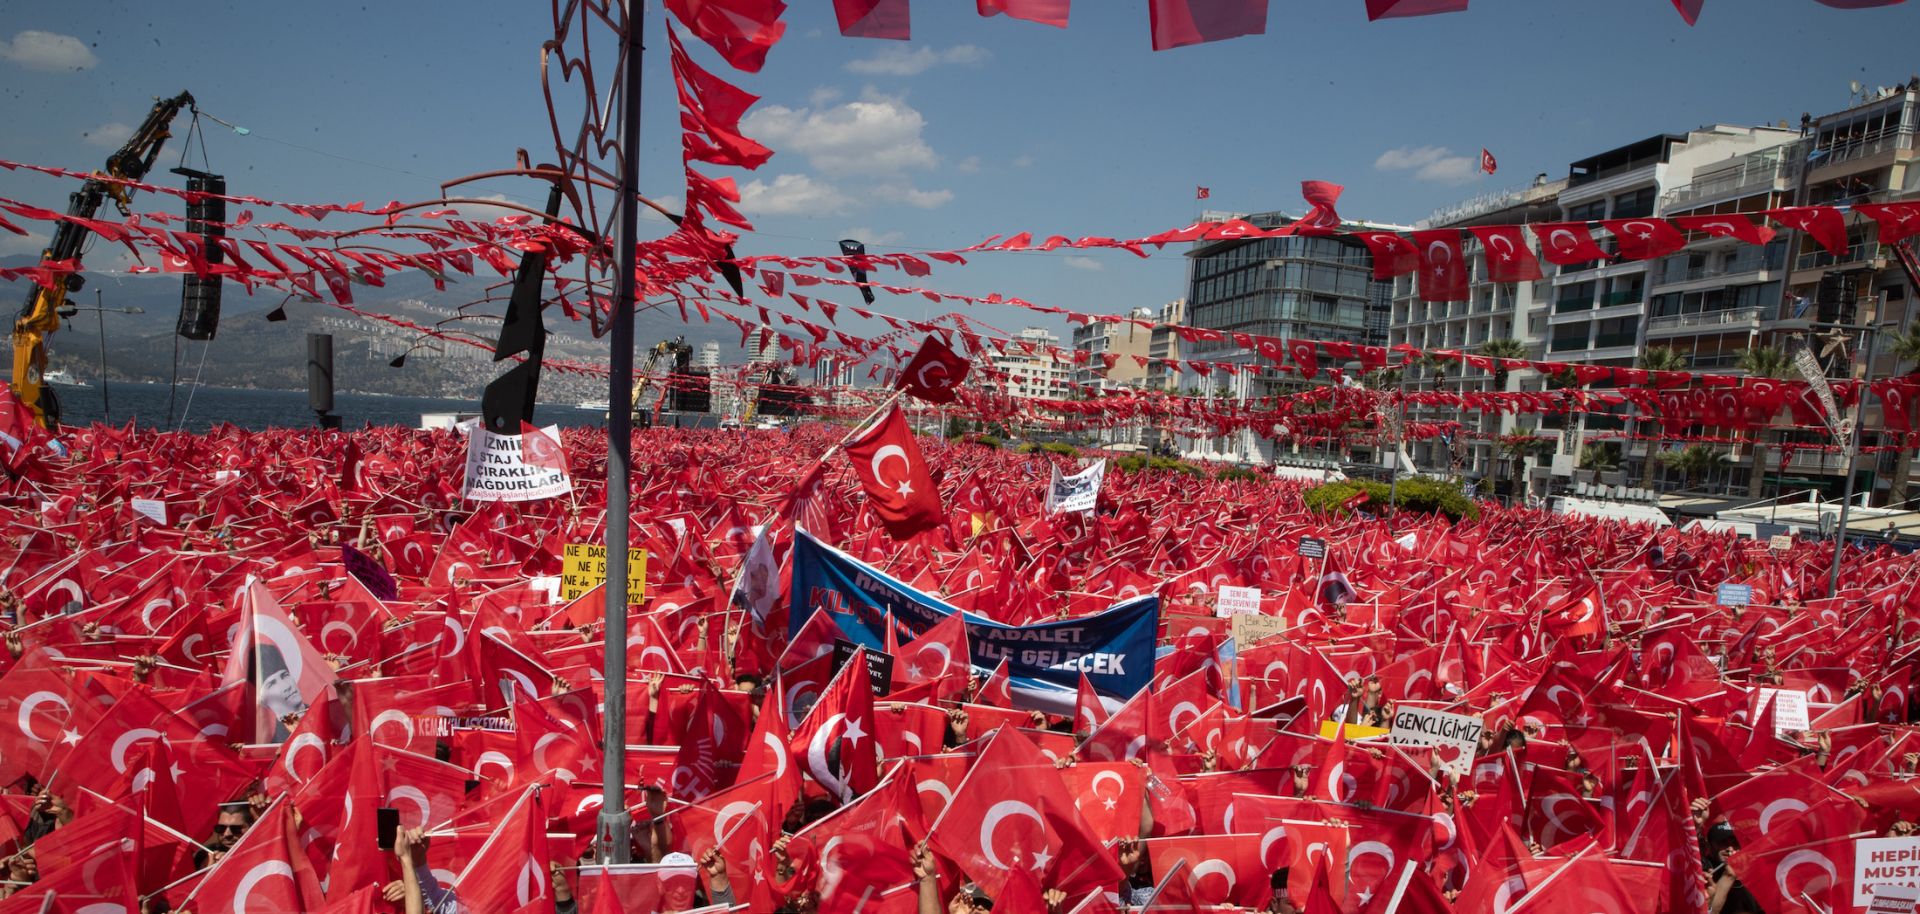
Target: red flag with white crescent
x=935 y=371
x=895 y=477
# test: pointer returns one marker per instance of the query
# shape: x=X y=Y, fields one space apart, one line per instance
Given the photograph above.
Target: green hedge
x=1064 y=450
x=1420 y=494
x=1237 y=474
x=985 y=440
x=1135 y=463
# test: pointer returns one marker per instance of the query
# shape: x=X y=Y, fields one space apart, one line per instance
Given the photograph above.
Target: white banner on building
x=1079 y=492
x=495 y=471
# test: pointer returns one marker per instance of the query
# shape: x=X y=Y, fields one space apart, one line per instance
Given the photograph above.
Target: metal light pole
x=1849 y=450
x=100 y=315
x=614 y=843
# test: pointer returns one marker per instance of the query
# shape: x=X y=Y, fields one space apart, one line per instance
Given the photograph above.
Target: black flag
x=857 y=265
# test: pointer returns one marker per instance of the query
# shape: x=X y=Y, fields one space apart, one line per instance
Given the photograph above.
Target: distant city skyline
x=978 y=127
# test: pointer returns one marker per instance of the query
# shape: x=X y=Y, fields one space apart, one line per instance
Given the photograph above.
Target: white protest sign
x=1883 y=863
x=1454 y=737
x=1079 y=492
x=152 y=509
x=495 y=471
x=1789 y=709
x=1234 y=601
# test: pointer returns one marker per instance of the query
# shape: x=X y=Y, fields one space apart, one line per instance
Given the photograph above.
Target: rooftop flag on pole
x=1487 y=163
x=1202 y=193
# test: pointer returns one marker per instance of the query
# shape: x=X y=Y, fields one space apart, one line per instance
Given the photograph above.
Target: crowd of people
x=285 y=670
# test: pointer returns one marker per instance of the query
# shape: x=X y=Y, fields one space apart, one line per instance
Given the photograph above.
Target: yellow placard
x=1354 y=731
x=586 y=568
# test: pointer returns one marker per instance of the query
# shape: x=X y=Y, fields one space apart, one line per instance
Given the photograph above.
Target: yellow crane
x=41 y=313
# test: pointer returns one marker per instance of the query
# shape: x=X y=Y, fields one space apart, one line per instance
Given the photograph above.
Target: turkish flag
x=510 y=870
x=1305 y=355
x=540 y=448
x=1322 y=197
x=1824 y=223
x=1443 y=265
x=1487 y=162
x=1898 y=221
x=835 y=742
x=743 y=31
x=1395 y=9
x=894 y=475
x=934 y=372
x=1689 y=9
x=874 y=18
x=1392 y=254
x=939 y=656
x=1108 y=795
x=1178 y=23
x=1729 y=226
x=1508 y=257
x=1012 y=817
x=1220 y=869
x=1645 y=239
x=266 y=870
x=1567 y=243
x=1046 y=12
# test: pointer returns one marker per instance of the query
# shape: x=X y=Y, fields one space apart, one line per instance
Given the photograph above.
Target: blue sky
x=978 y=126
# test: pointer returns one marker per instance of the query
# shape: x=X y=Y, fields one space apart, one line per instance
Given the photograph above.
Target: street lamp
x=100 y=315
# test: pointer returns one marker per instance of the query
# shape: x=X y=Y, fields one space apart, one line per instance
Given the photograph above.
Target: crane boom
x=40 y=314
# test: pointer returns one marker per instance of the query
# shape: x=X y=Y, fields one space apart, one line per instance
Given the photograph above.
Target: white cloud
x=109 y=135
x=896 y=60
x=1081 y=263
x=1429 y=163
x=1023 y=161
x=871 y=236
x=791 y=194
x=876 y=134
x=912 y=196
x=823 y=96
x=49 y=51
x=967 y=166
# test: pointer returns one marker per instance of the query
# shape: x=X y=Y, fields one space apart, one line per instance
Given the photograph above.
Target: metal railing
x=1628 y=297
x=1754 y=172
x=1705 y=319
x=1674 y=269
x=1564 y=305
x=1610 y=340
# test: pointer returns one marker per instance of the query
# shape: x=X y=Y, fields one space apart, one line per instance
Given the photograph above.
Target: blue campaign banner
x=1114 y=647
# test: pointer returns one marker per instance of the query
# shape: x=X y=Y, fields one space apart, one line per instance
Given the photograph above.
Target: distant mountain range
x=250 y=351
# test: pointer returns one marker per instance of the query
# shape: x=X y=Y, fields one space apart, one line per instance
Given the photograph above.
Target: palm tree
x=1694 y=460
x=1499 y=350
x=1381 y=379
x=1657 y=358
x=1435 y=366
x=1521 y=445
x=1600 y=458
x=1764 y=362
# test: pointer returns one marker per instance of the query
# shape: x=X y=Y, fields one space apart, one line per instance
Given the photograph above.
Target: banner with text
x=1455 y=738
x=1079 y=492
x=495 y=471
x=1114 y=648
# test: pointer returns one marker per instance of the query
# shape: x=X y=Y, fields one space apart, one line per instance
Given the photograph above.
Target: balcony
x=1564 y=305
x=1822 y=259
x=1628 y=297
x=1768 y=170
x=1864 y=147
x=1568 y=343
x=1730 y=319
x=1611 y=340
x=1747 y=260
